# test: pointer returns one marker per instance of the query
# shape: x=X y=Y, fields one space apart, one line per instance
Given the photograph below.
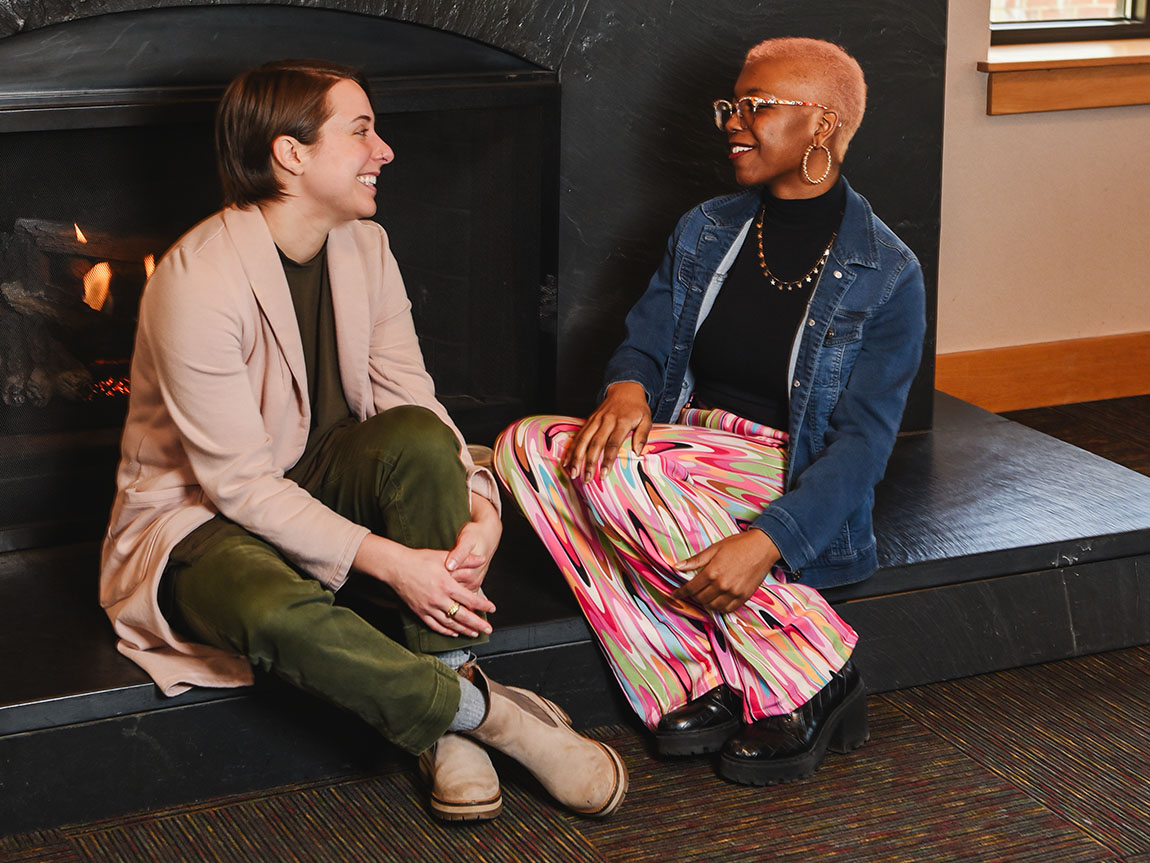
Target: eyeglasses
x=748 y=105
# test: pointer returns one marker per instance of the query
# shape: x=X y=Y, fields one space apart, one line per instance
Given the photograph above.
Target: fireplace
x=105 y=139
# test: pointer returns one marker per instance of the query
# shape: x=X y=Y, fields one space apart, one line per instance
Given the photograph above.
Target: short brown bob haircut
x=286 y=97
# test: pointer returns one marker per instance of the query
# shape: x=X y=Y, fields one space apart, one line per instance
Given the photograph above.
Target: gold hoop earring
x=807 y=155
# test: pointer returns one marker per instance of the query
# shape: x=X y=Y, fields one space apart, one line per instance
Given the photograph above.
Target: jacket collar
x=256 y=250
x=855 y=244
x=265 y=274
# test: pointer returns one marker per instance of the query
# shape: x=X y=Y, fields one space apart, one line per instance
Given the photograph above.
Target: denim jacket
x=851 y=367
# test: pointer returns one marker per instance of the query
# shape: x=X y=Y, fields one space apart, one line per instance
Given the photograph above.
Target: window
x=1015 y=21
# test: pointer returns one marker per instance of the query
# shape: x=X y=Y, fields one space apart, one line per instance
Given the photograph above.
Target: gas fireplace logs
x=68 y=302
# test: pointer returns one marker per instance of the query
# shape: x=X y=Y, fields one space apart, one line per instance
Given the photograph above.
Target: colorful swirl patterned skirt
x=615 y=541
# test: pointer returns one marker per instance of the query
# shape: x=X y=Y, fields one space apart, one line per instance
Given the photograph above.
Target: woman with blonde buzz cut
x=728 y=472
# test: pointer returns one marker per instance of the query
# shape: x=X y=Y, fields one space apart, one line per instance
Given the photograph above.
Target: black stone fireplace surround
x=998 y=546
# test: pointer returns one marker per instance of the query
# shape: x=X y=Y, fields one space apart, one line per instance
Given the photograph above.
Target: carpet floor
x=1049 y=764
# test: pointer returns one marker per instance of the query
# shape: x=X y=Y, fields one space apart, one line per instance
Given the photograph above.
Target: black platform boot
x=789 y=747
x=701 y=725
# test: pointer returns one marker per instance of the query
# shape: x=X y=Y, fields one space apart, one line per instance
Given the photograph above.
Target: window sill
x=1062 y=76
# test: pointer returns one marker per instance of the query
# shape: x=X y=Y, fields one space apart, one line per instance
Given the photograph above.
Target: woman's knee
x=543 y=436
x=413 y=430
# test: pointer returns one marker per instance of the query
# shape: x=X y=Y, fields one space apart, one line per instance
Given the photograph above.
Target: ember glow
x=150 y=265
x=110 y=387
x=79 y=234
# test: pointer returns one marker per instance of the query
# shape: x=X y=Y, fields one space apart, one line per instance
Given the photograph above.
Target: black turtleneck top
x=743 y=349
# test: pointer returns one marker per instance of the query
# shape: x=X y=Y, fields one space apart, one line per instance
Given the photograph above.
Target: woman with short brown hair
x=284 y=445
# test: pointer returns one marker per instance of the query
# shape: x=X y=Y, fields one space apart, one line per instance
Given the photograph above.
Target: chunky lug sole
x=702 y=741
x=478 y=810
x=845 y=730
x=460 y=810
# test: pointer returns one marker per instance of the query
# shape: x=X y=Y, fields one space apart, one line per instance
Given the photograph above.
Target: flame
x=97 y=281
x=79 y=234
x=149 y=265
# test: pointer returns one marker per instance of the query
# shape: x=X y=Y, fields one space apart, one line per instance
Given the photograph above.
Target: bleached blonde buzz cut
x=830 y=76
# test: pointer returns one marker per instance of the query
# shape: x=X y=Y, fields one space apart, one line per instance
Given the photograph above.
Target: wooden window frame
x=1063 y=76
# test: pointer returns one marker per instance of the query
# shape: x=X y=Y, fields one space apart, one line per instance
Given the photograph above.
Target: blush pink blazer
x=219 y=410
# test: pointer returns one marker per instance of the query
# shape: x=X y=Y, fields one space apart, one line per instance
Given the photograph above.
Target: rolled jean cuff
x=420 y=639
x=443 y=706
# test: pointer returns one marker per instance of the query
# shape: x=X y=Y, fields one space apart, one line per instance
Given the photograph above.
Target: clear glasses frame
x=748 y=105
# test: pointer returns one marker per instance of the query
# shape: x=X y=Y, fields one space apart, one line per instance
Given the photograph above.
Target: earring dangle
x=807 y=155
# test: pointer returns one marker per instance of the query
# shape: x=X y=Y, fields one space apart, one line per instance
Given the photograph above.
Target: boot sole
x=844 y=731
x=701 y=742
x=479 y=810
x=619 y=791
x=460 y=810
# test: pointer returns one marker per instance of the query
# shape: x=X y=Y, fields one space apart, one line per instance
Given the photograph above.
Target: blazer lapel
x=260 y=260
x=349 y=287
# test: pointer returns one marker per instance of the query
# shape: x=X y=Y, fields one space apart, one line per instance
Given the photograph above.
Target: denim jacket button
x=838 y=274
x=811 y=322
x=797 y=384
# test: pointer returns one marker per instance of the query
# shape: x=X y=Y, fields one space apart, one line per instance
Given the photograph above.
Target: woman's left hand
x=729 y=571
x=476 y=543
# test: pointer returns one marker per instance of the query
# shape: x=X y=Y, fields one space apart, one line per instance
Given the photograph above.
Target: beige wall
x=1045 y=217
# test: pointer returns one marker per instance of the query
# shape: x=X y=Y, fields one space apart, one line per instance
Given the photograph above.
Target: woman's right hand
x=624 y=411
x=420 y=578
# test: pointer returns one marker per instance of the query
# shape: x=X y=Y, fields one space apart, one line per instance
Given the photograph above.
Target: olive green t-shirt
x=311 y=295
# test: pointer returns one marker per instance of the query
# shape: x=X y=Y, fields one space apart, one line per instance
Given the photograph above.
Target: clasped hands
x=727 y=572
x=442 y=588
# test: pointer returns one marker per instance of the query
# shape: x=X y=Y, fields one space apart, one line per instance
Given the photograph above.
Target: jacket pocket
x=851 y=543
x=160 y=498
x=837 y=354
x=841 y=549
x=846 y=327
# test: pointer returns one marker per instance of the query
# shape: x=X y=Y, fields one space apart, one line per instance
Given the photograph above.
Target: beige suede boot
x=582 y=774
x=464 y=785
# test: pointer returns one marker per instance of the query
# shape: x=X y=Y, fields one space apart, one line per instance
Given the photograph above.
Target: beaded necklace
x=811 y=274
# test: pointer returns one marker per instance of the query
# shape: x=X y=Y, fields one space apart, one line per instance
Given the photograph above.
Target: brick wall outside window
x=1054 y=10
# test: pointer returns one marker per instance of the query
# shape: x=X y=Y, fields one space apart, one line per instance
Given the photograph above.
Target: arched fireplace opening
x=105 y=139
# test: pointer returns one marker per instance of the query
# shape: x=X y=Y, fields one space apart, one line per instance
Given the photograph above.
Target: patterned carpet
x=1049 y=764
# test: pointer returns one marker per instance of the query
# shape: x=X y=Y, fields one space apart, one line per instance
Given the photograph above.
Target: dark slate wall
x=637 y=145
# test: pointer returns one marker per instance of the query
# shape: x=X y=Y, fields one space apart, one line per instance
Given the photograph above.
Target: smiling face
x=337 y=176
x=768 y=150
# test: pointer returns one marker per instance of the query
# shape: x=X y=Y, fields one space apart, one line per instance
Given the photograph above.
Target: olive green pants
x=399 y=475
